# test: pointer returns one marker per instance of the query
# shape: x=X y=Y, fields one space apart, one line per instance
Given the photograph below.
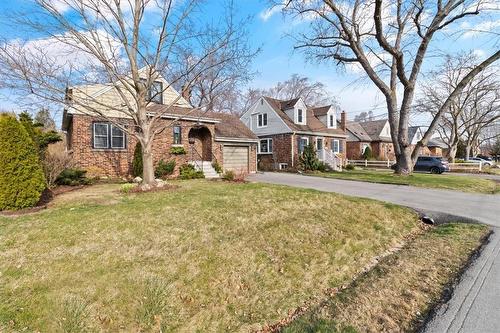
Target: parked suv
x=432 y=164
x=482 y=160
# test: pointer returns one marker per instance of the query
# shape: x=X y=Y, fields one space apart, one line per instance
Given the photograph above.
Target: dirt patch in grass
x=209 y=256
x=402 y=290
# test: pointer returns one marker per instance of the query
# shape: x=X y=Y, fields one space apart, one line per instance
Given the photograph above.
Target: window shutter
x=341 y=146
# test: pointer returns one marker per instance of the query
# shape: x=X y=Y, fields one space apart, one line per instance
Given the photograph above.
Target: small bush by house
x=368 y=154
x=73 y=177
x=187 y=171
x=164 y=169
x=228 y=175
x=177 y=151
x=21 y=176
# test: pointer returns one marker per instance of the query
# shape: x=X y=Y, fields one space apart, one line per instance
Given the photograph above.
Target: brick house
x=376 y=135
x=285 y=127
x=99 y=146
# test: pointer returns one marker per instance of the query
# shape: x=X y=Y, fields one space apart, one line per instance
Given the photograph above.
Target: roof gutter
x=321 y=134
x=228 y=139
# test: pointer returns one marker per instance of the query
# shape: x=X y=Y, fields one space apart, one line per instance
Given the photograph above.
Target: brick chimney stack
x=343 y=120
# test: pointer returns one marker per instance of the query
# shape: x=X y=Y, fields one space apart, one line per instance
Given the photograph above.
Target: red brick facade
x=118 y=162
x=282 y=150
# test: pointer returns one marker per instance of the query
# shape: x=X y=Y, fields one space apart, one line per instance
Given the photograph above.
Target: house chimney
x=343 y=120
x=186 y=93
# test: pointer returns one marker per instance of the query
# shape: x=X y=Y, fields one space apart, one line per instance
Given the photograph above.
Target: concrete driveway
x=475 y=304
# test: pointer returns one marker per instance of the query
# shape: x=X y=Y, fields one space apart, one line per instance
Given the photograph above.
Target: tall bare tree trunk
x=148 y=175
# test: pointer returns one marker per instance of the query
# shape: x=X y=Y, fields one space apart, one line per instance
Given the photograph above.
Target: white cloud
x=486 y=26
x=266 y=14
x=479 y=53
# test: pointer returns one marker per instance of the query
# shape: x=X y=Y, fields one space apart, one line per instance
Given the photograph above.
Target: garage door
x=236 y=158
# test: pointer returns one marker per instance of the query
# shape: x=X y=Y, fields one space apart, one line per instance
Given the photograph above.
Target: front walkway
x=475 y=304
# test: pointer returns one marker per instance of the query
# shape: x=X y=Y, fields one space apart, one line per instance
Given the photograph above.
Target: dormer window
x=331 y=121
x=155 y=92
x=262 y=120
x=300 y=116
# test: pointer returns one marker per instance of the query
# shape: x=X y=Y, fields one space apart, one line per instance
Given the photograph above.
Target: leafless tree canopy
x=127 y=43
x=314 y=93
x=388 y=41
x=471 y=113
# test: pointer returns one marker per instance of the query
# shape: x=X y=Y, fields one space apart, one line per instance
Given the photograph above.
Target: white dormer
x=298 y=112
x=331 y=118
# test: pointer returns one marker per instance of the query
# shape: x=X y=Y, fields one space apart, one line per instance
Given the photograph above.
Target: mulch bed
x=168 y=187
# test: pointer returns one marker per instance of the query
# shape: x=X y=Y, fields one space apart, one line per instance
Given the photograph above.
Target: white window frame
x=116 y=136
x=331 y=121
x=300 y=114
x=180 y=135
x=262 y=120
x=337 y=151
x=322 y=143
x=307 y=143
x=269 y=145
x=100 y=135
x=109 y=136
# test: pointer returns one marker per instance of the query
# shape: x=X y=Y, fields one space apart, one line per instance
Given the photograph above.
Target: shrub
x=308 y=159
x=137 y=161
x=164 y=168
x=177 y=151
x=187 y=171
x=322 y=167
x=349 y=167
x=73 y=177
x=21 y=175
x=217 y=167
x=367 y=154
x=126 y=188
x=55 y=161
x=228 y=175
x=42 y=139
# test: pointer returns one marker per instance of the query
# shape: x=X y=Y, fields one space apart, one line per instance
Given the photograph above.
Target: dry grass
x=397 y=294
x=209 y=256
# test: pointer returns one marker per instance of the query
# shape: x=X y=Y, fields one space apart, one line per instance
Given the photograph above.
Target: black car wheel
x=435 y=170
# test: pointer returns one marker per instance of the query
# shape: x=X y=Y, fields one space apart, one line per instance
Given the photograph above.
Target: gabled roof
x=437 y=143
x=412 y=131
x=373 y=129
x=226 y=125
x=358 y=131
x=313 y=123
x=321 y=111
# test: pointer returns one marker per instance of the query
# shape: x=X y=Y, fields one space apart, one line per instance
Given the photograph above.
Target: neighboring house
x=436 y=147
x=103 y=149
x=284 y=128
x=374 y=133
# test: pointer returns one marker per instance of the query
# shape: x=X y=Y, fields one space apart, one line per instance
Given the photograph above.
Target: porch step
x=206 y=167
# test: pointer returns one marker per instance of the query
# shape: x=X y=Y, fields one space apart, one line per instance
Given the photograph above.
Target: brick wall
x=118 y=163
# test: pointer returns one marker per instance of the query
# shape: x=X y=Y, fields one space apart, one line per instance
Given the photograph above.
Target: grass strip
x=400 y=292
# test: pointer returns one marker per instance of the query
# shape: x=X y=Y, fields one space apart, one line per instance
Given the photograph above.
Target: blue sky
x=278 y=61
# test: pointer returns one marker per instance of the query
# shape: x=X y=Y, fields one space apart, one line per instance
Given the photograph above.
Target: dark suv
x=431 y=164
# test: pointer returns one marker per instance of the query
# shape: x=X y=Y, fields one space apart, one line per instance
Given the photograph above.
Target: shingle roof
x=437 y=143
x=357 y=130
x=313 y=123
x=228 y=125
x=321 y=111
x=373 y=129
x=285 y=105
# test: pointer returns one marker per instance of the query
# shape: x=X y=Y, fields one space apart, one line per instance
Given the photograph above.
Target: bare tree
x=124 y=43
x=364 y=116
x=314 y=93
x=219 y=87
x=388 y=41
x=472 y=111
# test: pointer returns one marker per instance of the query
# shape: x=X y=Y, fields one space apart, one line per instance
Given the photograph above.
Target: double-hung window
x=266 y=146
x=302 y=143
x=300 y=116
x=262 y=120
x=155 y=92
x=177 y=135
x=107 y=136
x=319 y=143
x=336 y=146
x=331 y=120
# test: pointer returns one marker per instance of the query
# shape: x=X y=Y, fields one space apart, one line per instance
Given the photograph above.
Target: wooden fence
x=471 y=167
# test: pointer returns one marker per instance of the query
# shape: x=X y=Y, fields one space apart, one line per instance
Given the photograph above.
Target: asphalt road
x=475 y=304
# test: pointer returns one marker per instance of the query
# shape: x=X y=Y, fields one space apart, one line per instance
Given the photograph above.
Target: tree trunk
x=452 y=152
x=148 y=174
x=467 y=151
x=404 y=164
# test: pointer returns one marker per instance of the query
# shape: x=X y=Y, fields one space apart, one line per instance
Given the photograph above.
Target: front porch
x=330 y=158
